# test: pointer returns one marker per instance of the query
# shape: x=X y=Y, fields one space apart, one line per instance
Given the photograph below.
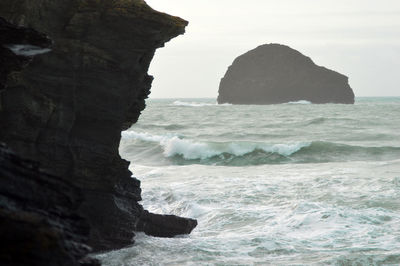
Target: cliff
x=67 y=108
x=274 y=73
x=39 y=220
x=39 y=224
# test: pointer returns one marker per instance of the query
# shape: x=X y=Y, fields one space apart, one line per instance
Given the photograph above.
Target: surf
x=180 y=150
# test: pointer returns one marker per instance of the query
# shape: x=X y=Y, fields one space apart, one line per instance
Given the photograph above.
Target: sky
x=358 y=38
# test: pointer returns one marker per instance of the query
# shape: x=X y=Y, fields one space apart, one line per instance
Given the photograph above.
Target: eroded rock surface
x=39 y=220
x=68 y=107
x=274 y=73
x=39 y=224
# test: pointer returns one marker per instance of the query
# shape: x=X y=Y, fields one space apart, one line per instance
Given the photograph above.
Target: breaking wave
x=240 y=153
x=300 y=102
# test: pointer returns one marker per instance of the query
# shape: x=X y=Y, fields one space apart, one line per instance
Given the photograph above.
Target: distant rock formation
x=67 y=108
x=275 y=73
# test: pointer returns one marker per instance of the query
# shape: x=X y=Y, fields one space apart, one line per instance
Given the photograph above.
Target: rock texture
x=164 y=225
x=39 y=221
x=274 y=73
x=10 y=35
x=39 y=224
x=68 y=107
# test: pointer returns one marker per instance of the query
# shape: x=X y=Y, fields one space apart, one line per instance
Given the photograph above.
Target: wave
x=162 y=126
x=300 y=102
x=316 y=121
x=189 y=149
x=197 y=104
x=239 y=153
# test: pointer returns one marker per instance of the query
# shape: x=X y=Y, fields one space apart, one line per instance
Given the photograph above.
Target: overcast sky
x=358 y=38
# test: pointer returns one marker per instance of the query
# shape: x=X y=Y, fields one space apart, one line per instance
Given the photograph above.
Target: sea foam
x=300 y=102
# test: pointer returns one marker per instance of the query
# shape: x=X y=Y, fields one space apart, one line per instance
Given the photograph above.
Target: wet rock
x=164 y=225
x=274 y=73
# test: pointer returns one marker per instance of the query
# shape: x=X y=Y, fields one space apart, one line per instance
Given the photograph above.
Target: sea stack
x=275 y=73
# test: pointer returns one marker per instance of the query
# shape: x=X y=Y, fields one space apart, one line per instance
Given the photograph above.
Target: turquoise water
x=287 y=184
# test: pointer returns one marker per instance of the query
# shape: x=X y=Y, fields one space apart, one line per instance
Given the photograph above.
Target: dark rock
x=89 y=261
x=68 y=107
x=274 y=73
x=164 y=225
x=39 y=221
x=11 y=35
x=39 y=224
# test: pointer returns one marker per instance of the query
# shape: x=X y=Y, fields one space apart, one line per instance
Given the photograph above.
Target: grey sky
x=358 y=38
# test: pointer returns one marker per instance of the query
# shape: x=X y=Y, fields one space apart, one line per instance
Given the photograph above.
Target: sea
x=285 y=184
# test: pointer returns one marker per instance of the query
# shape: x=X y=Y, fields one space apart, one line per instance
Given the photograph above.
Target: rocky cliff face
x=275 y=73
x=39 y=220
x=39 y=224
x=68 y=107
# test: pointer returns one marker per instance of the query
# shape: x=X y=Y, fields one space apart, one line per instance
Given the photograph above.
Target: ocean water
x=286 y=184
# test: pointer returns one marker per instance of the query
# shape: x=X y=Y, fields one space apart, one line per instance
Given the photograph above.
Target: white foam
x=197 y=104
x=174 y=145
x=300 y=102
x=27 y=50
x=143 y=136
x=189 y=149
x=286 y=149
